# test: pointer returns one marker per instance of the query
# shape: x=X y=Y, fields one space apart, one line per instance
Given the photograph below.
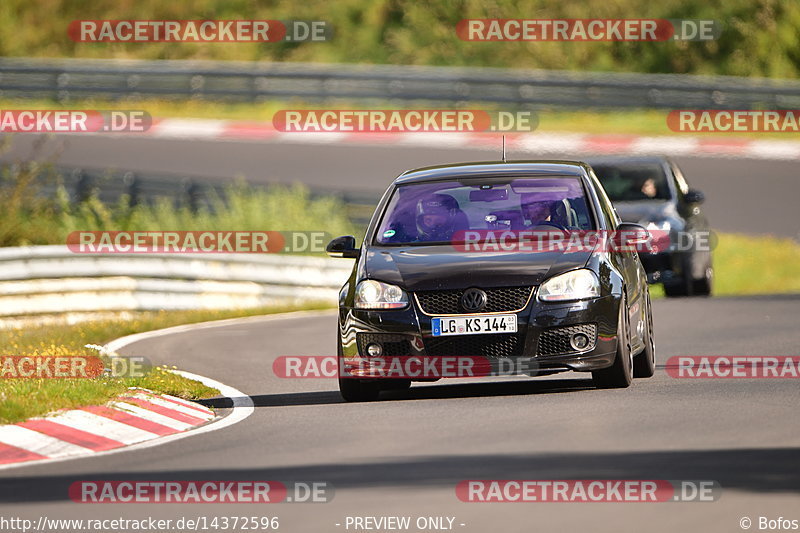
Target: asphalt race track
x=405 y=455
x=747 y=196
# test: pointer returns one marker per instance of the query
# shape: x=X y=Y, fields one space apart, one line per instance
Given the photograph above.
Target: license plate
x=474 y=325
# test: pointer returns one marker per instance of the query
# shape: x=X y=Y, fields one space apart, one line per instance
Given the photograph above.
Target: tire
x=620 y=374
x=644 y=364
x=704 y=285
x=683 y=286
x=395 y=384
x=356 y=390
x=676 y=290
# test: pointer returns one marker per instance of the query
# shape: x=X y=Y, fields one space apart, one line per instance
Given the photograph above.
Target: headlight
x=574 y=285
x=371 y=294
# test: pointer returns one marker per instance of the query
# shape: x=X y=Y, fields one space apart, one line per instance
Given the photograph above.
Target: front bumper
x=537 y=348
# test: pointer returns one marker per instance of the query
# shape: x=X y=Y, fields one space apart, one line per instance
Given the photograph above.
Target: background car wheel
x=675 y=290
x=644 y=364
x=683 y=286
x=703 y=285
x=620 y=374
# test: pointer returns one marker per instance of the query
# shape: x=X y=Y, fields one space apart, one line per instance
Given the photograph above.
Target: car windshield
x=433 y=212
x=633 y=182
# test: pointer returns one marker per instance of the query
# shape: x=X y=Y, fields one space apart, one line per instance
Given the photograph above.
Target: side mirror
x=693 y=196
x=630 y=234
x=343 y=247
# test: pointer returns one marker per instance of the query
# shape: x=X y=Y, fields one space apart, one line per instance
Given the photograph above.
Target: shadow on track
x=420 y=392
x=754 y=470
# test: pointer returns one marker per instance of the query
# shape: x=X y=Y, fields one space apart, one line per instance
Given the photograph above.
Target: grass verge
x=616 y=121
x=21 y=399
x=748 y=264
x=745 y=264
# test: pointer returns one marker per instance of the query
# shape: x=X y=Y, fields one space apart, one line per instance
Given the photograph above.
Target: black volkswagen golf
x=438 y=276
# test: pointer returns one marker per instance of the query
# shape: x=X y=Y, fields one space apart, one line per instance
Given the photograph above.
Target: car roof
x=493 y=169
x=625 y=159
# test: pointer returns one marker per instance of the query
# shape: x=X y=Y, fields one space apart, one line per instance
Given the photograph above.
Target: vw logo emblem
x=473 y=300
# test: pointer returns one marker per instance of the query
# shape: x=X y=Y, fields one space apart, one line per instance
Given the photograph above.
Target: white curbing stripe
x=39 y=443
x=100 y=425
x=145 y=414
x=155 y=400
x=536 y=142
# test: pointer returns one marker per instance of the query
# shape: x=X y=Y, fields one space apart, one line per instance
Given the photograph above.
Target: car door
x=626 y=262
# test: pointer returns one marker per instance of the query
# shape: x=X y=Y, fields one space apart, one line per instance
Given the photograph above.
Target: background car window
x=434 y=212
x=633 y=182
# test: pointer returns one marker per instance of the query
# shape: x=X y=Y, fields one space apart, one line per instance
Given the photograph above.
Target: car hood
x=645 y=211
x=420 y=268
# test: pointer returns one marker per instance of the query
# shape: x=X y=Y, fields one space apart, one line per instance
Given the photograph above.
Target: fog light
x=374 y=350
x=579 y=341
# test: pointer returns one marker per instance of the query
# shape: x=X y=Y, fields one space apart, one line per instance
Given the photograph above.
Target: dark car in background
x=653 y=192
x=414 y=292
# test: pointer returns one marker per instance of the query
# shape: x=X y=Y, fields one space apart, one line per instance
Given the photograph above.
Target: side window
x=605 y=204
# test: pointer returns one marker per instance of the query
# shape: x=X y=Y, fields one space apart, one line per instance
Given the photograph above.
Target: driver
x=436 y=217
x=535 y=210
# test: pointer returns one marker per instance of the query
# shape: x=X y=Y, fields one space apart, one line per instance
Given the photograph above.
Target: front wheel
x=644 y=364
x=703 y=286
x=620 y=374
x=356 y=390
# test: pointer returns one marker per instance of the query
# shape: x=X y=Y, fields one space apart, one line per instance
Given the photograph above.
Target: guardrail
x=52 y=279
x=66 y=79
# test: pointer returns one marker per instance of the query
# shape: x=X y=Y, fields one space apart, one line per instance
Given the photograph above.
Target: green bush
x=759 y=37
x=29 y=218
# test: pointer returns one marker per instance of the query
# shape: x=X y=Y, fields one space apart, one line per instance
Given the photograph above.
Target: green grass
x=745 y=264
x=21 y=399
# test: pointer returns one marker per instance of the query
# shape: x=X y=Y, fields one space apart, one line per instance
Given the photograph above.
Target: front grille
x=492 y=345
x=393 y=345
x=555 y=341
x=498 y=300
